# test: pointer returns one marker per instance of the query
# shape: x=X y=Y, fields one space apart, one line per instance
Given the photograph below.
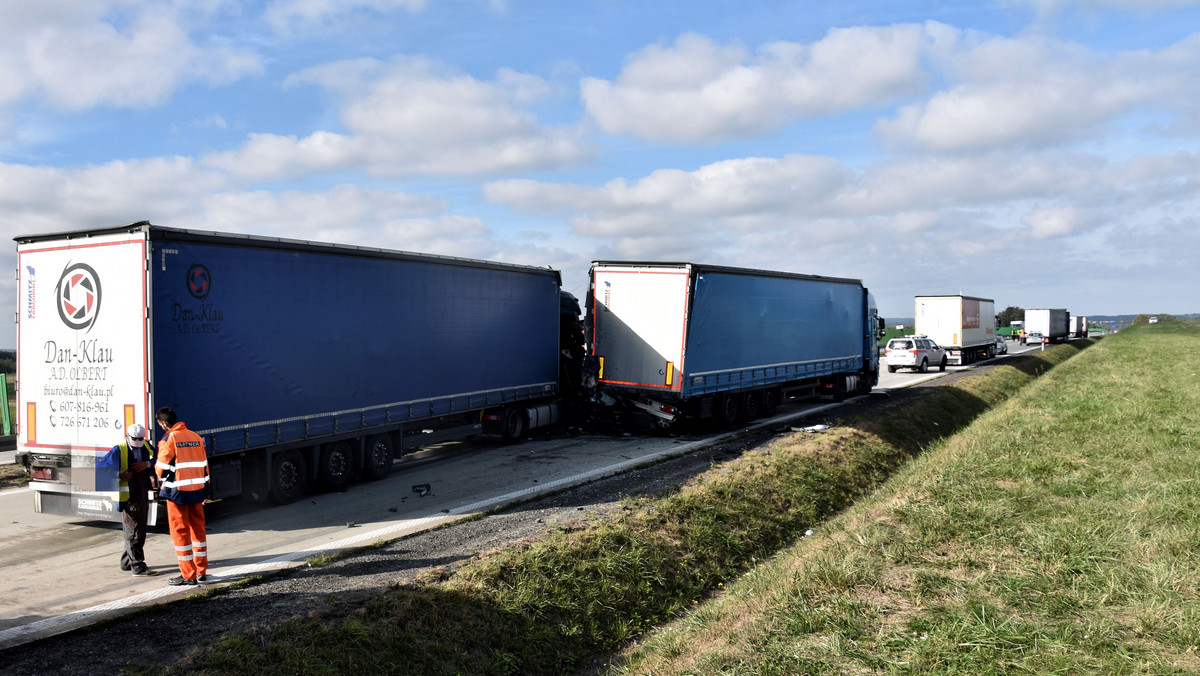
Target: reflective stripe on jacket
x=118 y=461
x=122 y=494
x=119 y=455
x=183 y=466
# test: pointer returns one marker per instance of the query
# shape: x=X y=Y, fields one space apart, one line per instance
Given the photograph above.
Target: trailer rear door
x=81 y=362
x=639 y=320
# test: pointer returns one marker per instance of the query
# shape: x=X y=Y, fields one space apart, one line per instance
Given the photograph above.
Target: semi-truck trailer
x=1053 y=324
x=964 y=325
x=691 y=341
x=302 y=365
x=1079 y=326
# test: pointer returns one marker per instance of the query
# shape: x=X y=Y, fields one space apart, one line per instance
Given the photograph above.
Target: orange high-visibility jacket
x=182 y=465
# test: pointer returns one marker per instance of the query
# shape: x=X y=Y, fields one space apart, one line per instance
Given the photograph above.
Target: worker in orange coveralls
x=182 y=467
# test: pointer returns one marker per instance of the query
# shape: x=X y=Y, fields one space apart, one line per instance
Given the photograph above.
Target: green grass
x=962 y=531
x=1059 y=533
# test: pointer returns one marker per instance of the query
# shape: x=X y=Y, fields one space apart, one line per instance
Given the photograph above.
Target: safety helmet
x=136 y=434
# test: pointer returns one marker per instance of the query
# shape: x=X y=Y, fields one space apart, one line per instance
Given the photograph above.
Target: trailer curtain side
x=277 y=341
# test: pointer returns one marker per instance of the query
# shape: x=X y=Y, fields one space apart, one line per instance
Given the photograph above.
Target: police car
x=916 y=352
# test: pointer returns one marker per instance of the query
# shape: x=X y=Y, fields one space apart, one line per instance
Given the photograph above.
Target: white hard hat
x=136 y=434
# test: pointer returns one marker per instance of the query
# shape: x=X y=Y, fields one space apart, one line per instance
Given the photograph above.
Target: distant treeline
x=8 y=361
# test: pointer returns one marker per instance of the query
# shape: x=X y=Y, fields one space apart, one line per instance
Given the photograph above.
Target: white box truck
x=964 y=325
x=1079 y=326
x=1047 y=325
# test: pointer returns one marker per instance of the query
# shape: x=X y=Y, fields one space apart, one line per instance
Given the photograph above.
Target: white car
x=1001 y=345
x=916 y=352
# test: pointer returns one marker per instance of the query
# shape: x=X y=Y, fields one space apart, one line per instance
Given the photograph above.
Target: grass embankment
x=890 y=584
x=1060 y=533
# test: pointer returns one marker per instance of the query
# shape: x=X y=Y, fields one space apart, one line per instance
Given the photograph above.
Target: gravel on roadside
x=341 y=585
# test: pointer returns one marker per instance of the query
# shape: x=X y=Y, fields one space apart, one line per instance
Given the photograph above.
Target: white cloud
x=273 y=156
x=53 y=200
x=77 y=55
x=306 y=214
x=414 y=117
x=961 y=217
x=1055 y=222
x=697 y=91
x=1050 y=7
x=214 y=121
x=291 y=15
x=347 y=214
x=999 y=92
x=176 y=192
x=1032 y=92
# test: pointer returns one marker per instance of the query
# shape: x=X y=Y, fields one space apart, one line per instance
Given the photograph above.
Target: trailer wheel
x=288 y=475
x=752 y=405
x=839 y=388
x=514 y=425
x=729 y=410
x=770 y=401
x=379 y=457
x=335 y=469
x=865 y=380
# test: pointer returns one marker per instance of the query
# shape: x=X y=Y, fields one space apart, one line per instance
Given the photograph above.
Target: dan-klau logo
x=199 y=281
x=79 y=296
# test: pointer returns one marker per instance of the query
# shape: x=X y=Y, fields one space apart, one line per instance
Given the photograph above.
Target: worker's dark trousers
x=133 y=527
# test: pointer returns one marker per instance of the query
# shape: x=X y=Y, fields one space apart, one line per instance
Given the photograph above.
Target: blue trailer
x=681 y=339
x=301 y=364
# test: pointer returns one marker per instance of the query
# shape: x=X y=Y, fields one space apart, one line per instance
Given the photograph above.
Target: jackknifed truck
x=964 y=325
x=302 y=365
x=688 y=341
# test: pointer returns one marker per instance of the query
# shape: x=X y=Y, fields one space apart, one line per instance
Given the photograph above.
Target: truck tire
x=288 y=477
x=770 y=401
x=752 y=405
x=942 y=366
x=336 y=467
x=514 y=425
x=378 y=459
x=839 y=388
x=924 y=367
x=729 y=411
x=865 y=380
x=892 y=369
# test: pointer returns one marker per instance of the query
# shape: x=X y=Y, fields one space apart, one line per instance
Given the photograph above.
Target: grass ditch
x=1060 y=533
x=568 y=601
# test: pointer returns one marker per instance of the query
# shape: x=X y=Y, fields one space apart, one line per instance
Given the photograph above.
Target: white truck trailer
x=964 y=325
x=1079 y=326
x=1053 y=325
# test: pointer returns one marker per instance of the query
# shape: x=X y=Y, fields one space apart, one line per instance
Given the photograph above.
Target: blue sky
x=1043 y=153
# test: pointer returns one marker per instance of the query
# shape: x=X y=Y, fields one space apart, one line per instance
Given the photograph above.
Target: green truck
x=1012 y=331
